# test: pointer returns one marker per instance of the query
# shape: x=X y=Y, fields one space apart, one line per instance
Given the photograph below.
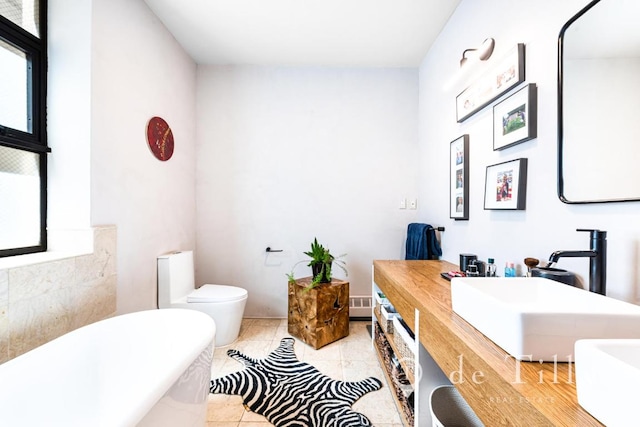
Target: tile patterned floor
x=350 y=359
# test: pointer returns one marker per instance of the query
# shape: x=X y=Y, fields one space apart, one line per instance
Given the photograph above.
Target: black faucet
x=597 y=260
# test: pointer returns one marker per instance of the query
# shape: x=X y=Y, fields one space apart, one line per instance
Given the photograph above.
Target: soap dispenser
x=491 y=268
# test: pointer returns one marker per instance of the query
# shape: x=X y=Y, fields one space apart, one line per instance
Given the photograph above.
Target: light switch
x=403 y=203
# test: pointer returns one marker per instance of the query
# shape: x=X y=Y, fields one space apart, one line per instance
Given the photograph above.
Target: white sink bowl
x=537 y=319
x=607 y=380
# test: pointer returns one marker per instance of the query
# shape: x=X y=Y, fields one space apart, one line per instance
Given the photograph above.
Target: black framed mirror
x=599 y=104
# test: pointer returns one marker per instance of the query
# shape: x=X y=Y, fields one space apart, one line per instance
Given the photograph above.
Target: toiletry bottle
x=510 y=270
x=491 y=268
x=472 y=271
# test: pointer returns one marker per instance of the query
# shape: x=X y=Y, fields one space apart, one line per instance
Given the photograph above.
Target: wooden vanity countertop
x=501 y=390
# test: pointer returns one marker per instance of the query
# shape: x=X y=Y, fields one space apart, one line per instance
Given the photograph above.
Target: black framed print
x=459 y=178
x=515 y=119
x=505 y=185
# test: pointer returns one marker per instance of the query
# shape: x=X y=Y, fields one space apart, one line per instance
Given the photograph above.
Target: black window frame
x=36 y=140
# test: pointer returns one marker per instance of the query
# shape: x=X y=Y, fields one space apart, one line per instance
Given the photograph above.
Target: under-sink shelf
x=402 y=387
x=406 y=362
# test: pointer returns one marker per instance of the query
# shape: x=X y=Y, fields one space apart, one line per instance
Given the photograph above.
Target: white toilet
x=176 y=289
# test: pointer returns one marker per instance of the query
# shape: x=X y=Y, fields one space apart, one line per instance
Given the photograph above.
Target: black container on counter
x=557 y=274
x=465 y=260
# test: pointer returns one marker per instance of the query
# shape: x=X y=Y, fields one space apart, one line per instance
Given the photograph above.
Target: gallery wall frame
x=505 y=185
x=515 y=119
x=459 y=178
x=504 y=75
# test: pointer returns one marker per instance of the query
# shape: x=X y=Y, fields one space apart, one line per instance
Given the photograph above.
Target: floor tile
x=258 y=332
x=252 y=417
x=222 y=407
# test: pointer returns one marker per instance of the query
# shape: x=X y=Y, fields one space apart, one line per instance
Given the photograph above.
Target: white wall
x=68 y=116
x=288 y=154
x=138 y=71
x=547 y=224
x=258 y=131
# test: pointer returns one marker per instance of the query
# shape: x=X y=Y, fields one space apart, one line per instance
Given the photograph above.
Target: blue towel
x=422 y=242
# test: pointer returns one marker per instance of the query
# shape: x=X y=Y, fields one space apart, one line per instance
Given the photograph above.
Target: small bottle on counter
x=510 y=270
x=491 y=268
x=472 y=271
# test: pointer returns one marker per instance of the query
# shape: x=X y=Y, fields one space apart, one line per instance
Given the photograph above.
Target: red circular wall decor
x=160 y=138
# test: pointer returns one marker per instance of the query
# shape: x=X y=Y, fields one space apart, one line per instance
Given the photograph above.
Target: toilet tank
x=175 y=277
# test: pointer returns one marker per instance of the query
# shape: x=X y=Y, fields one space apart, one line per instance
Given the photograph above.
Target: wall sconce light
x=482 y=53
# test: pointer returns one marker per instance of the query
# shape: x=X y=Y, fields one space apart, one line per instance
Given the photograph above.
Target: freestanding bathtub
x=150 y=368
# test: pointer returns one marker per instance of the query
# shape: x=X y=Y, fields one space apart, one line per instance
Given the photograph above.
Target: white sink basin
x=607 y=380
x=537 y=319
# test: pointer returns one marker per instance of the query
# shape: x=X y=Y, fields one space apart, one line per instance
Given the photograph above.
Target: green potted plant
x=321 y=263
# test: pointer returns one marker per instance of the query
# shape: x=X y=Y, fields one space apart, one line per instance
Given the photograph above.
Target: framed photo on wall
x=505 y=185
x=506 y=74
x=459 y=178
x=515 y=119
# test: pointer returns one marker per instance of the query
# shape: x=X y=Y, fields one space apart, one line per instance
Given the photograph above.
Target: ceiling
x=354 y=33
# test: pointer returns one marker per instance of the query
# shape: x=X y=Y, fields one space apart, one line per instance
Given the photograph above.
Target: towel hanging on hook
x=422 y=242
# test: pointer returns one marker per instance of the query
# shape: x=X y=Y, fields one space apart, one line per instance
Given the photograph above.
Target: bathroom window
x=23 y=136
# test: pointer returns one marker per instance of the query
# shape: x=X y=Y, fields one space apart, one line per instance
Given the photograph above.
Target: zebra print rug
x=290 y=393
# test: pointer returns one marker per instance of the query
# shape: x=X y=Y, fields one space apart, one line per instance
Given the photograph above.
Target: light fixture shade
x=486 y=49
x=482 y=53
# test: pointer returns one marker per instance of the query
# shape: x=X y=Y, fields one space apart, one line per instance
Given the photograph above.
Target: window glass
x=24 y=13
x=20 y=195
x=23 y=136
x=14 y=88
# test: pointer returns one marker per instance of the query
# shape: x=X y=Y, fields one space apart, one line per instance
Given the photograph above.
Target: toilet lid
x=217 y=293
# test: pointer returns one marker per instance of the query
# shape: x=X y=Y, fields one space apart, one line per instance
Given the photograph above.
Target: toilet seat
x=217 y=293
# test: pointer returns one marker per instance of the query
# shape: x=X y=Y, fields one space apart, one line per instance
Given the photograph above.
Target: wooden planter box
x=321 y=315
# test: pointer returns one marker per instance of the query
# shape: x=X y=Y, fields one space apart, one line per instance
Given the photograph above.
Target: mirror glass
x=599 y=104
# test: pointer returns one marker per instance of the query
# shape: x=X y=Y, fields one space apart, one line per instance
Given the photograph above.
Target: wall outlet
x=413 y=203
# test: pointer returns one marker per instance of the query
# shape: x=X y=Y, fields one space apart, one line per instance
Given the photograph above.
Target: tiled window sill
x=38 y=258
x=63 y=244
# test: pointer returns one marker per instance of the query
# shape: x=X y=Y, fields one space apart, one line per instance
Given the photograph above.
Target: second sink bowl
x=607 y=378
x=537 y=319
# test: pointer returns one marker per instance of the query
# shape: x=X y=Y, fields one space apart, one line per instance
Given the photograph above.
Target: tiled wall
x=41 y=301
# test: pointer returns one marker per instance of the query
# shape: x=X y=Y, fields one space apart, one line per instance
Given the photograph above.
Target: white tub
x=150 y=368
